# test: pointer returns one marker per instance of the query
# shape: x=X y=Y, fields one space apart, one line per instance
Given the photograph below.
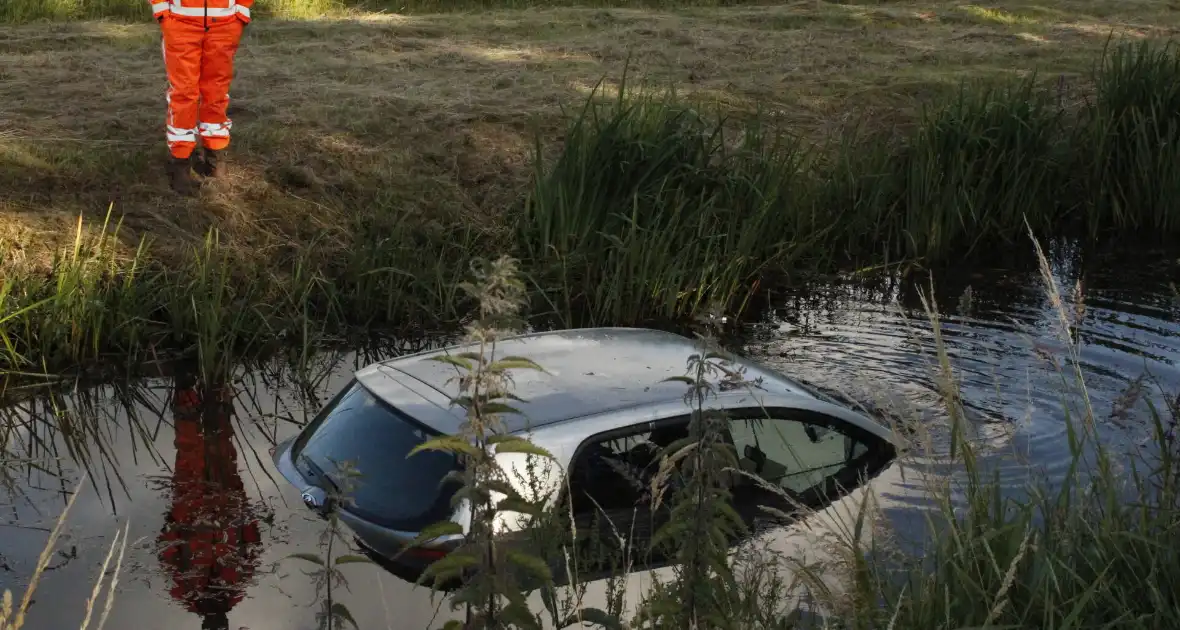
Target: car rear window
x=393 y=489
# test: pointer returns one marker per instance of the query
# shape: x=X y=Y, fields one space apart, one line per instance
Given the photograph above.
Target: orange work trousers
x=199 y=58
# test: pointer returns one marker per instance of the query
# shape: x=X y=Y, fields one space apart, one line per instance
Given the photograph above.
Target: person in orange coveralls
x=210 y=540
x=201 y=38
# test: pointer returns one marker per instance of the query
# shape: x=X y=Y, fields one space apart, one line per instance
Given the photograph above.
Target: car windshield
x=390 y=487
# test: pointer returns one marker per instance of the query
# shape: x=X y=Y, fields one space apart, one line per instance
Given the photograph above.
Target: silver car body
x=593 y=381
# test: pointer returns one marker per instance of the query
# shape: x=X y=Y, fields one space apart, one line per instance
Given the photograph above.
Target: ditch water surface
x=153 y=459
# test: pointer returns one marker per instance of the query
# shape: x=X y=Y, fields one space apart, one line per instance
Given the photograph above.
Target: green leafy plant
x=655 y=208
x=694 y=478
x=493 y=577
x=1127 y=141
x=327 y=574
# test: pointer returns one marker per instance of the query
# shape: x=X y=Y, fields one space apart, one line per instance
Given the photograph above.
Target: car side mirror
x=317 y=500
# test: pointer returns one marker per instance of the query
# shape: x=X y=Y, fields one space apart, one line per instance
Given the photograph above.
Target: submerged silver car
x=603 y=408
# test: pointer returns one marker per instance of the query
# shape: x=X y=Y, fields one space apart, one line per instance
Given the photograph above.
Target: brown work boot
x=180 y=176
x=211 y=164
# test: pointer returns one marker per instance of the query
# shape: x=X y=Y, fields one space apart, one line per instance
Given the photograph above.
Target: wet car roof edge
x=574 y=392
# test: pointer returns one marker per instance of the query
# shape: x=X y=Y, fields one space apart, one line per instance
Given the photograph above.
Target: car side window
x=610 y=496
x=798 y=454
x=614 y=471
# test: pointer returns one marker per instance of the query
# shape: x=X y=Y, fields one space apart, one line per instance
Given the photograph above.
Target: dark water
x=873 y=339
x=166 y=470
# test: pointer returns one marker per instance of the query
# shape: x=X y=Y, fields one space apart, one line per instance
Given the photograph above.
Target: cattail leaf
x=340 y=611
x=521 y=445
x=514 y=363
x=352 y=559
x=309 y=557
x=454 y=360
x=530 y=563
x=517 y=615
x=447 y=444
x=600 y=618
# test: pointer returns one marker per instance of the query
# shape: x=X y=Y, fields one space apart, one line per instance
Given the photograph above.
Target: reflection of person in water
x=210 y=539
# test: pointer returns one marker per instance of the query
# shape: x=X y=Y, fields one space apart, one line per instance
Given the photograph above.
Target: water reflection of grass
x=13 y=613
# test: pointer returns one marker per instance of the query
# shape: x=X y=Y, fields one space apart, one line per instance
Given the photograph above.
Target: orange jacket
x=206 y=10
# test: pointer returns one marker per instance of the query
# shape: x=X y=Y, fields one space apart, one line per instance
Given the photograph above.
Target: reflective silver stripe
x=159 y=7
x=245 y=11
x=202 y=11
x=181 y=135
x=215 y=130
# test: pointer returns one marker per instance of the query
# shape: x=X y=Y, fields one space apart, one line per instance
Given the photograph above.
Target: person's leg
x=217 y=72
x=182 y=59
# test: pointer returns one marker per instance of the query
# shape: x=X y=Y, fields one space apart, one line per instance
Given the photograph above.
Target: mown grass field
x=432 y=118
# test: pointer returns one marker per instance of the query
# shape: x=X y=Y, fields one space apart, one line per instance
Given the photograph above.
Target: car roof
x=587 y=372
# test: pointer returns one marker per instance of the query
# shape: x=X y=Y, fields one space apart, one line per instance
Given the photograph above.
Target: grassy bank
x=360 y=195
x=655 y=204
x=651 y=209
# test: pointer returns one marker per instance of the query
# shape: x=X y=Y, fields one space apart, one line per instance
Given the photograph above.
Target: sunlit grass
x=97 y=306
x=19 y=11
x=998 y=16
x=303 y=9
x=30 y=10
x=430 y=118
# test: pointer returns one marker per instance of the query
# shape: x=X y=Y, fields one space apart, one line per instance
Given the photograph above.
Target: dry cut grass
x=409 y=123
